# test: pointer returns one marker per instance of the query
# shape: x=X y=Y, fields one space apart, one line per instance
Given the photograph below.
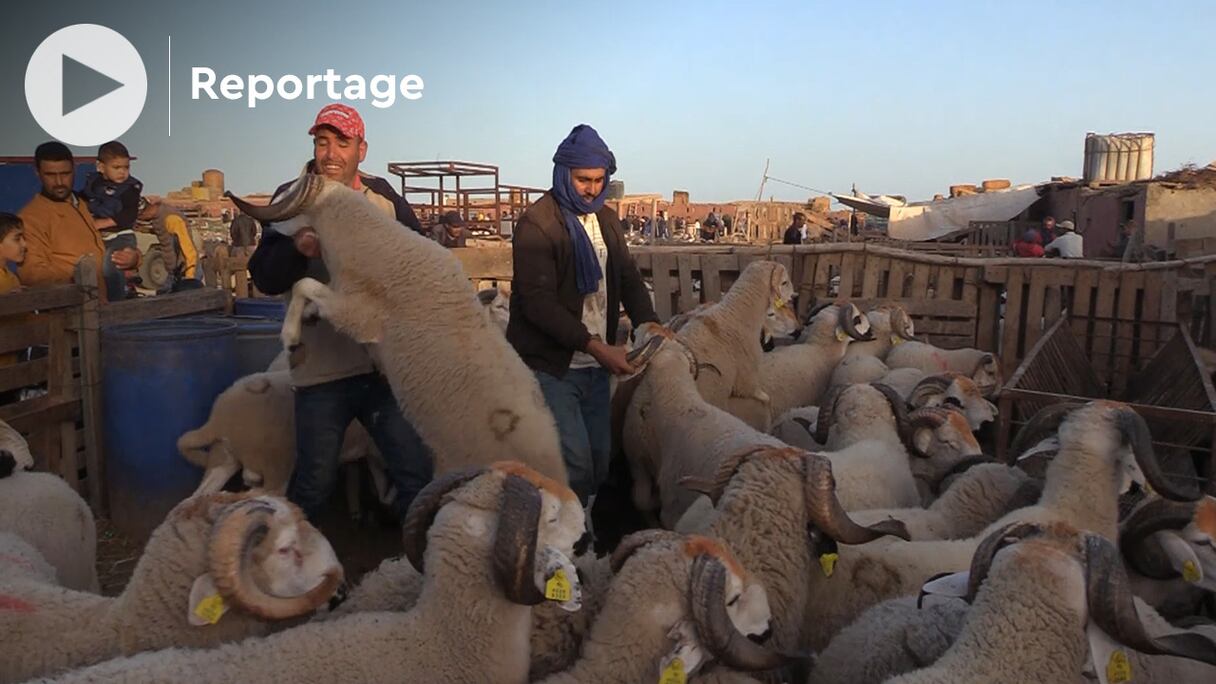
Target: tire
x=152 y=269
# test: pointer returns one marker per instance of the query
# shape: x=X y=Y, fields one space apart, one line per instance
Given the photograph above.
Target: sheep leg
x=354 y=314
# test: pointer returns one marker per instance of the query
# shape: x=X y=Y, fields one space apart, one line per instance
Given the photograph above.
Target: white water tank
x=1118 y=157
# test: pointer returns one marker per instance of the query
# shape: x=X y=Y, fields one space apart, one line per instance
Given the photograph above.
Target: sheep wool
x=46 y=512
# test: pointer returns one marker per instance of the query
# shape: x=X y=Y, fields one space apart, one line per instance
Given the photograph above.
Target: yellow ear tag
x=841 y=335
x=1118 y=669
x=210 y=608
x=778 y=303
x=673 y=673
x=896 y=340
x=557 y=588
x=1190 y=572
x=827 y=563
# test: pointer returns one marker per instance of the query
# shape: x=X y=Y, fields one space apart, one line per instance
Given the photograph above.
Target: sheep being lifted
x=402 y=292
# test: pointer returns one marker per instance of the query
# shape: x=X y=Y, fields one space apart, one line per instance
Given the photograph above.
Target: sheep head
x=780 y=318
x=955 y=390
x=944 y=442
x=14 y=450
x=987 y=374
x=900 y=325
x=497 y=306
x=724 y=604
x=267 y=560
x=538 y=523
x=1055 y=555
x=824 y=510
x=1164 y=539
x=861 y=398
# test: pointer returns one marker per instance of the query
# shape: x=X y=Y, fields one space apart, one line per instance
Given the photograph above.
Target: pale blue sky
x=897 y=97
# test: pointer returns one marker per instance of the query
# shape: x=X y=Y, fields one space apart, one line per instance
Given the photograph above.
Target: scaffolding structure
x=472 y=189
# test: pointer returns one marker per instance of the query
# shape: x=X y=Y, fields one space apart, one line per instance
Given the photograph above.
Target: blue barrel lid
x=168 y=330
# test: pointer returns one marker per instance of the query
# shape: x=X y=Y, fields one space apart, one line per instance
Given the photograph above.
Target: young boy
x=113 y=197
x=12 y=251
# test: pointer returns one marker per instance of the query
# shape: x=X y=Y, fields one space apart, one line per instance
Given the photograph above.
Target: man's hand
x=307 y=242
x=610 y=357
x=125 y=258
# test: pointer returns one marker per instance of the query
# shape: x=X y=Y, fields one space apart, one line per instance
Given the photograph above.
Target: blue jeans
x=116 y=280
x=581 y=406
x=323 y=412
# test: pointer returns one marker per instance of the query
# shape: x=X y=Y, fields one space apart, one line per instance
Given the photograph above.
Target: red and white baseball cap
x=342 y=118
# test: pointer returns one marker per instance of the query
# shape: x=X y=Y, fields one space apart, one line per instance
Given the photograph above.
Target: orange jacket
x=57 y=234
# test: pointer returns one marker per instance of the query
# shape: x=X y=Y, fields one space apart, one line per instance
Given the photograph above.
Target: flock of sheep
x=821 y=513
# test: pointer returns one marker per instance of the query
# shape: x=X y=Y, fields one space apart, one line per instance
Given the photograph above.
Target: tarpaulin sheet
x=931 y=220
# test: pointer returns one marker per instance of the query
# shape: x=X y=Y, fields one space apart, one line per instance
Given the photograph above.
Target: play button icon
x=85 y=85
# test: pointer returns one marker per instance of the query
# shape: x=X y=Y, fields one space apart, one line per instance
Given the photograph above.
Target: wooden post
x=88 y=331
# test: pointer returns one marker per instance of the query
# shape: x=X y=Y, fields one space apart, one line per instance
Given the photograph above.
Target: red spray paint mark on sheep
x=16 y=605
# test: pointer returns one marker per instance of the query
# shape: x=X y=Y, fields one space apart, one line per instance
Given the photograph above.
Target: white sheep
x=1105 y=447
x=252 y=430
x=725 y=337
x=799 y=374
x=979 y=365
x=953 y=390
x=863 y=361
x=45 y=511
x=977 y=498
x=675 y=603
x=220 y=568
x=903 y=380
x=497 y=304
x=1037 y=590
x=491 y=543
x=375 y=266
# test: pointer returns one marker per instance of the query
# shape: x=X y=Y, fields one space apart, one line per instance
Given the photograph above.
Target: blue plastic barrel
x=266 y=307
x=257 y=341
x=158 y=380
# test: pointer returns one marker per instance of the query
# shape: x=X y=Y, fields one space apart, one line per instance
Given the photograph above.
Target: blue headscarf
x=582 y=149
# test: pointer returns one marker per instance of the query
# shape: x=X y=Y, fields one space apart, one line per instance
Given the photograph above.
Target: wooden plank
x=848 y=273
x=88 y=339
x=28 y=332
x=688 y=297
x=920 y=281
x=823 y=275
x=971 y=284
x=895 y=280
x=488 y=263
x=40 y=298
x=163 y=306
x=1052 y=305
x=1129 y=289
x=23 y=374
x=1082 y=300
x=661 y=279
x=69 y=468
x=1151 y=334
x=711 y=281
x=59 y=357
x=919 y=308
x=806 y=284
x=1104 y=308
x=1169 y=297
x=989 y=316
x=943 y=287
x=872 y=275
x=1013 y=317
x=1034 y=307
x=40 y=412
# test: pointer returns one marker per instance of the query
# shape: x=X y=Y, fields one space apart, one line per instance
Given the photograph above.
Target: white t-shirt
x=1069 y=245
x=595 y=305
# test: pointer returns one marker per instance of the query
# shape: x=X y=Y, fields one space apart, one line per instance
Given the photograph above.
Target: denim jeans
x=323 y=413
x=116 y=280
x=582 y=409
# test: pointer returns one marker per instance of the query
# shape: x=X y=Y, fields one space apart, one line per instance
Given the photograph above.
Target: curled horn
x=726 y=470
x=931 y=385
x=901 y=323
x=1136 y=434
x=630 y=544
x=1136 y=535
x=900 y=408
x=707 y=596
x=827 y=413
x=237 y=532
x=1042 y=424
x=297 y=199
x=1109 y=595
x=514 y=556
x=847 y=323
x=826 y=513
x=425 y=507
x=981 y=562
x=642 y=355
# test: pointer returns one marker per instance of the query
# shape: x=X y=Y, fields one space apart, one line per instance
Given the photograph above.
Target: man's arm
x=276 y=264
x=536 y=285
x=634 y=296
x=40 y=267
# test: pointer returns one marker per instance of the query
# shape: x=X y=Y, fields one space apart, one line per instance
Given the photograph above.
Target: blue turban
x=582 y=149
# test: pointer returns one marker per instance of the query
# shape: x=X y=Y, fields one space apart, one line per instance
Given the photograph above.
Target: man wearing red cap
x=337 y=381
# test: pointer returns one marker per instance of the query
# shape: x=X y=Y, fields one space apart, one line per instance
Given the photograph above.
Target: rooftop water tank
x=1118 y=157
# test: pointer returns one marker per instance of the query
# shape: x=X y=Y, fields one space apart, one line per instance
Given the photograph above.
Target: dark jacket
x=118 y=201
x=546 y=325
x=276 y=264
x=793 y=236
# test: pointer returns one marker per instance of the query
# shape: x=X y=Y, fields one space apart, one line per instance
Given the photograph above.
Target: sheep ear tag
x=685 y=658
x=949 y=585
x=557 y=587
x=896 y=340
x=841 y=335
x=1109 y=659
x=206 y=604
x=1182 y=556
x=561 y=581
x=671 y=671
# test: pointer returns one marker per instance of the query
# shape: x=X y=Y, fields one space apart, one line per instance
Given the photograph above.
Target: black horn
x=514 y=557
x=425 y=507
x=826 y=513
x=1136 y=435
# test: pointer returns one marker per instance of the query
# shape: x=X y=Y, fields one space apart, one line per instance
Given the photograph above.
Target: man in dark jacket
x=337 y=381
x=796 y=233
x=573 y=272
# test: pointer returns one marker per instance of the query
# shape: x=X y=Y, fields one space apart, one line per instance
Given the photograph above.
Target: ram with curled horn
x=373 y=296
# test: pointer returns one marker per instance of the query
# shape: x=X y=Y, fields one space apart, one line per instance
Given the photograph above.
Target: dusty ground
x=360 y=546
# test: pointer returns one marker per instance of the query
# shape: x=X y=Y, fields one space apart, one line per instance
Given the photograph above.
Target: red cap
x=341 y=117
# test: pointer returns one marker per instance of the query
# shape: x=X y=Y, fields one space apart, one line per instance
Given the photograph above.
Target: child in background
x=113 y=197
x=12 y=252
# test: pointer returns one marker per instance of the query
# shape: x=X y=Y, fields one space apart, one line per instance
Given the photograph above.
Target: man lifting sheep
x=573 y=272
x=337 y=381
